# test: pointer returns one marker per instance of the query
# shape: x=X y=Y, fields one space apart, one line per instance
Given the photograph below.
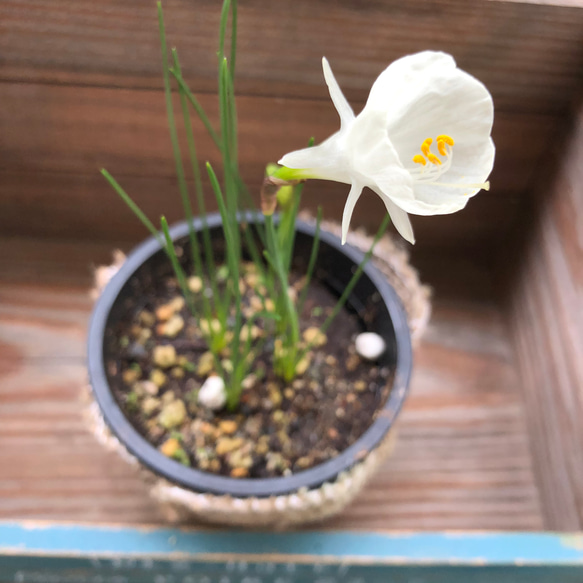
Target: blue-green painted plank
x=395 y=548
x=83 y=570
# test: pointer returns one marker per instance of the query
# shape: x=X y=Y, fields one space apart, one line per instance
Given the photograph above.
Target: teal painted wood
x=35 y=553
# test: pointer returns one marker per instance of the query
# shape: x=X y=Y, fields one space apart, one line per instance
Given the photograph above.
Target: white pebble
x=212 y=394
x=370 y=345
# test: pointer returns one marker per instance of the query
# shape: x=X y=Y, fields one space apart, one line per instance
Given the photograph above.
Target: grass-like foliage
x=218 y=306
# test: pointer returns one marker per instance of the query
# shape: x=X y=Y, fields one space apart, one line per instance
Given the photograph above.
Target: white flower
x=422 y=141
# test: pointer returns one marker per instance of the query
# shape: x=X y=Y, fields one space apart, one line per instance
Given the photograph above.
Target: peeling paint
x=572 y=541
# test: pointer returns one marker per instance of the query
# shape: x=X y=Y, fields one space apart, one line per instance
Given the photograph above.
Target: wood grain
x=80 y=88
x=528 y=54
x=79 y=206
x=79 y=130
x=548 y=326
x=462 y=460
x=49 y=180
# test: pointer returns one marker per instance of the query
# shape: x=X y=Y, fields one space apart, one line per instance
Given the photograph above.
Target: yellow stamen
x=442 y=141
x=425 y=146
x=447 y=139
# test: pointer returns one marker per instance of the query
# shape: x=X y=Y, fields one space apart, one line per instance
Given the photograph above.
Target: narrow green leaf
x=182 y=186
x=179 y=272
x=209 y=255
x=312 y=262
x=233 y=251
x=233 y=38
x=132 y=205
x=197 y=107
x=353 y=281
x=223 y=28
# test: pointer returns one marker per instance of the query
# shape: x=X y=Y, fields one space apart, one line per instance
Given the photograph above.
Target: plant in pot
x=251 y=362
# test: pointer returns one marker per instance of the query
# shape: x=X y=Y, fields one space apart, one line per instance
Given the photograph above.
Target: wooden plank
x=49 y=181
x=528 y=54
x=83 y=206
x=41 y=551
x=548 y=324
x=462 y=460
x=79 y=130
x=82 y=89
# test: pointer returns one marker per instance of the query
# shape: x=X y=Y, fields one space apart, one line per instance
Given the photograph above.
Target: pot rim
x=204 y=482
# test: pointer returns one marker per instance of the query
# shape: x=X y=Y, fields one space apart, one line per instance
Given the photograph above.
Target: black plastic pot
x=335 y=265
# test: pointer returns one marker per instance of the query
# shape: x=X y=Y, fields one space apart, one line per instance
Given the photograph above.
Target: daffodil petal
x=399 y=218
x=435 y=97
x=305 y=158
x=439 y=99
x=353 y=196
x=368 y=145
x=374 y=161
x=326 y=161
x=407 y=79
x=342 y=106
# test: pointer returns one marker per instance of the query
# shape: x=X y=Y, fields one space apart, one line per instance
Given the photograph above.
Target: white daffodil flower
x=422 y=141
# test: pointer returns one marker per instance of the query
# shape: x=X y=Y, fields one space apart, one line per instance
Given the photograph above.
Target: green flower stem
x=293 y=174
x=252 y=207
x=311 y=263
x=353 y=281
x=283 y=241
x=287 y=227
x=284 y=366
x=290 y=235
x=274 y=256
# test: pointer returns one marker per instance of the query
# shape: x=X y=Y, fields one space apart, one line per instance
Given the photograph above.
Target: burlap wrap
x=303 y=506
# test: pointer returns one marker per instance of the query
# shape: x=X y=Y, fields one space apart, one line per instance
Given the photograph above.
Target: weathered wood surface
x=527 y=53
x=462 y=460
x=80 y=87
x=548 y=328
x=51 y=184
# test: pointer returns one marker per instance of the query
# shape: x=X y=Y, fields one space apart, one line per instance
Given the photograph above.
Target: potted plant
x=249 y=361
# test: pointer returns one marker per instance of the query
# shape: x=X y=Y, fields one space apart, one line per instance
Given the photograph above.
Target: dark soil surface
x=279 y=427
